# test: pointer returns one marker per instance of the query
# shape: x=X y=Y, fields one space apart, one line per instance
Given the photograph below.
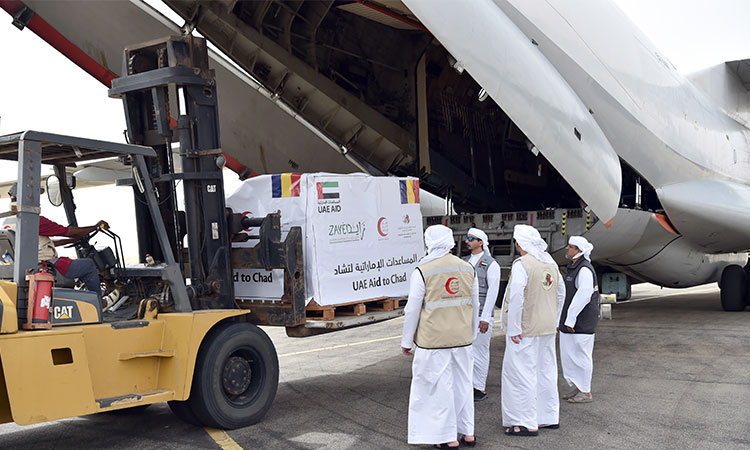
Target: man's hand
x=516 y=339
x=406 y=351
x=570 y=330
x=483 y=326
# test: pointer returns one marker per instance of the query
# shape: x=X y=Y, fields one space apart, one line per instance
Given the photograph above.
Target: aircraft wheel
x=236 y=376
x=628 y=294
x=733 y=288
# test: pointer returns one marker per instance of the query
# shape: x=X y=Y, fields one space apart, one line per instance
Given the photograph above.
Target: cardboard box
x=362 y=235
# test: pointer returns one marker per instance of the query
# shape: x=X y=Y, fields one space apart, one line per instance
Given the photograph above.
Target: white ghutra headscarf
x=439 y=241
x=479 y=234
x=583 y=245
x=532 y=243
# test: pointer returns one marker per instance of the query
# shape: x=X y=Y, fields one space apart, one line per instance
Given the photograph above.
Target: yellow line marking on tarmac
x=334 y=347
x=222 y=438
x=353 y=344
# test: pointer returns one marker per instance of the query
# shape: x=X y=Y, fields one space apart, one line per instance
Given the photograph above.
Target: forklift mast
x=169 y=95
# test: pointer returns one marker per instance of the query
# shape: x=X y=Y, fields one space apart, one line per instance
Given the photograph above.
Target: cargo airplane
x=499 y=105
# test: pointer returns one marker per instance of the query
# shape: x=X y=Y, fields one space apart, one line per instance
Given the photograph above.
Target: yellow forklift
x=176 y=335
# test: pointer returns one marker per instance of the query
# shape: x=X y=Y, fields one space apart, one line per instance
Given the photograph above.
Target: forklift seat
x=7 y=247
x=7 y=255
x=61 y=280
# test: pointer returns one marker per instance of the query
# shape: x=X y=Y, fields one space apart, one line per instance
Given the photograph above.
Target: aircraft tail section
x=507 y=64
x=728 y=85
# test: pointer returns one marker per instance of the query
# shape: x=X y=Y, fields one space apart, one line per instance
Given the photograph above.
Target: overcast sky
x=40 y=89
x=694 y=34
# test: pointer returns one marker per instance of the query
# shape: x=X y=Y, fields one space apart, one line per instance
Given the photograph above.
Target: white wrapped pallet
x=362 y=235
x=255 y=197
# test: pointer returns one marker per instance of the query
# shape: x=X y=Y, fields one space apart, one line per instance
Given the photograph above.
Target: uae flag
x=328 y=189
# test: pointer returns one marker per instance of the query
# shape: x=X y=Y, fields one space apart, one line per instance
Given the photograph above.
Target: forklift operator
x=83 y=269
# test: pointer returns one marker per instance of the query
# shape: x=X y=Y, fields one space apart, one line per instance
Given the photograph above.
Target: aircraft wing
x=97 y=173
x=5 y=186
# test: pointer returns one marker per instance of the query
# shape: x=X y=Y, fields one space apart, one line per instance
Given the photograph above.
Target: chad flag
x=285 y=185
x=409 y=191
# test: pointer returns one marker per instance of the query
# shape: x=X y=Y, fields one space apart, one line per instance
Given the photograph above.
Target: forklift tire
x=183 y=412
x=733 y=288
x=236 y=376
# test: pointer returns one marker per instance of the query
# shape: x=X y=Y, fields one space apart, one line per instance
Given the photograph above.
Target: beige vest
x=447 y=310
x=47 y=248
x=539 y=316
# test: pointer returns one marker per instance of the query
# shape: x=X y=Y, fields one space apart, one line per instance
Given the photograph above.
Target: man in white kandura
x=578 y=320
x=440 y=318
x=488 y=275
x=530 y=314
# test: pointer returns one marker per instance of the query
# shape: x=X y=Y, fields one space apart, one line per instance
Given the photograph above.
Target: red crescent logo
x=448 y=285
x=383 y=227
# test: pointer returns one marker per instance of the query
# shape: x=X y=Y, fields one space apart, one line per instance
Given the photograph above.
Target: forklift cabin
x=185 y=342
x=18 y=244
x=90 y=366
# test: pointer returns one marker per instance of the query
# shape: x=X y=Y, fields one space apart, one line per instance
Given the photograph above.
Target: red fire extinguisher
x=40 y=300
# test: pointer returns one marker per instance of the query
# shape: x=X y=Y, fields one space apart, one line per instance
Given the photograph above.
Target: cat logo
x=62 y=312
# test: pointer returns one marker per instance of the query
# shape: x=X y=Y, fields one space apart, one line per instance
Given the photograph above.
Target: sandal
x=580 y=398
x=522 y=431
x=550 y=427
x=570 y=394
x=463 y=441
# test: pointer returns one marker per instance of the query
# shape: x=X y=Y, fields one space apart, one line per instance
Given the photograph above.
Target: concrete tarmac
x=671 y=371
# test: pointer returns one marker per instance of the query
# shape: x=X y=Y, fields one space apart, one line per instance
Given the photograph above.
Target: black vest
x=588 y=318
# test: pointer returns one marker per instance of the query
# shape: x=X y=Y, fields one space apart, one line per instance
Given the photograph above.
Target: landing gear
x=616 y=283
x=733 y=288
x=235 y=380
